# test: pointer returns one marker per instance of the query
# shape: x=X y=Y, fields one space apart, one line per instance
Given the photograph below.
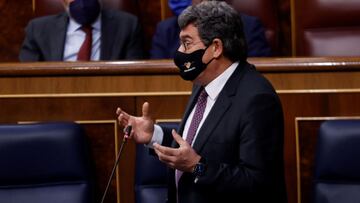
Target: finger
x=168 y=151
x=146 y=110
x=118 y=110
x=178 y=138
x=125 y=115
x=164 y=158
x=122 y=120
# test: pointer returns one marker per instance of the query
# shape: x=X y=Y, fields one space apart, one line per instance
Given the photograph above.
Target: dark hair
x=217 y=19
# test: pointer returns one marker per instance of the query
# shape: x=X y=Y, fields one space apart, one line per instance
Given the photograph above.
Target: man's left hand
x=183 y=158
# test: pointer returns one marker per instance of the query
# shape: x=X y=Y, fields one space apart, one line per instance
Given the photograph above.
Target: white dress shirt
x=213 y=90
x=75 y=37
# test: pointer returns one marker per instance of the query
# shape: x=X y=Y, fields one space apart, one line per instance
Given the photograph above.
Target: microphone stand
x=127 y=132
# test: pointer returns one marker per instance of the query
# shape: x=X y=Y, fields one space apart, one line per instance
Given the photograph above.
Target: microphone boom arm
x=127 y=131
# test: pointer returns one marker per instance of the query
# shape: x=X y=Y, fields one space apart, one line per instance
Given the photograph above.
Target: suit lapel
x=108 y=33
x=57 y=38
x=221 y=106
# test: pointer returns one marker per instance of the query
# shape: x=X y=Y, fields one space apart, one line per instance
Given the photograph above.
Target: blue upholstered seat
x=44 y=163
x=151 y=174
x=337 y=165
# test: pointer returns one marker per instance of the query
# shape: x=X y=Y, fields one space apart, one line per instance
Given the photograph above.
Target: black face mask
x=191 y=64
x=84 y=12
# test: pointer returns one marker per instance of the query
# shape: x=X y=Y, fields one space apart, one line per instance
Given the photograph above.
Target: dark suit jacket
x=166 y=38
x=242 y=141
x=120 y=37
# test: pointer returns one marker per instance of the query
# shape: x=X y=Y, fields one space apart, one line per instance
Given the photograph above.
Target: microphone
x=127 y=131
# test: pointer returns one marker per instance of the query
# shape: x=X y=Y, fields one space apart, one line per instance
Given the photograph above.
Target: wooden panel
x=61 y=108
x=163 y=107
x=103 y=143
x=306 y=131
x=162 y=76
x=109 y=84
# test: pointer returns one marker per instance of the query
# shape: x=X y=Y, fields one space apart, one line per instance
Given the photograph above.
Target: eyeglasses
x=187 y=44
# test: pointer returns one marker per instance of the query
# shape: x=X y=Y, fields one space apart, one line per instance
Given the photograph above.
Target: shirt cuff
x=157 y=136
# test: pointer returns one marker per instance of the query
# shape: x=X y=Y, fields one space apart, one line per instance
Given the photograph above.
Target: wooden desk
x=311 y=90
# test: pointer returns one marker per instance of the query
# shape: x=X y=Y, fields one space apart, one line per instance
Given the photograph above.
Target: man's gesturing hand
x=183 y=158
x=142 y=127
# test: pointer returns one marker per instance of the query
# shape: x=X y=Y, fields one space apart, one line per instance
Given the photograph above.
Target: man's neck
x=216 y=68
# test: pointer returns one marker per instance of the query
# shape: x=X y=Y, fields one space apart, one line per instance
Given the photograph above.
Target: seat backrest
x=45 y=162
x=325 y=28
x=151 y=174
x=48 y=7
x=266 y=11
x=150 y=177
x=337 y=165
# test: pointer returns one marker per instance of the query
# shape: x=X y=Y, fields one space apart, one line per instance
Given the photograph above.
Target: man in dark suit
x=166 y=38
x=116 y=35
x=229 y=146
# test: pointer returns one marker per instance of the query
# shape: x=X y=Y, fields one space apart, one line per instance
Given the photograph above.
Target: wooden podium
x=311 y=90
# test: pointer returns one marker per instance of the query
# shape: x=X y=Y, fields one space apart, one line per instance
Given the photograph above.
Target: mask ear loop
x=211 y=58
x=210 y=61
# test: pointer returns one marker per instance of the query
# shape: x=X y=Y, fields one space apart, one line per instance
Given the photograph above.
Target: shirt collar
x=214 y=88
x=74 y=26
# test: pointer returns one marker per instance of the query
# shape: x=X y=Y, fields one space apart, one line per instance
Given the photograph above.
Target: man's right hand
x=142 y=127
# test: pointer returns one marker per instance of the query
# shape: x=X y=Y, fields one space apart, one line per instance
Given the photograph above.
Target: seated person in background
x=166 y=38
x=84 y=32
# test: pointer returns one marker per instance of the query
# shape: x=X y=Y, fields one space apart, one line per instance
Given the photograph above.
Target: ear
x=217 y=48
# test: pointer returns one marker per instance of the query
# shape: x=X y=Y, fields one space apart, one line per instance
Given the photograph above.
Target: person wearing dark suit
x=116 y=35
x=166 y=38
x=229 y=146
